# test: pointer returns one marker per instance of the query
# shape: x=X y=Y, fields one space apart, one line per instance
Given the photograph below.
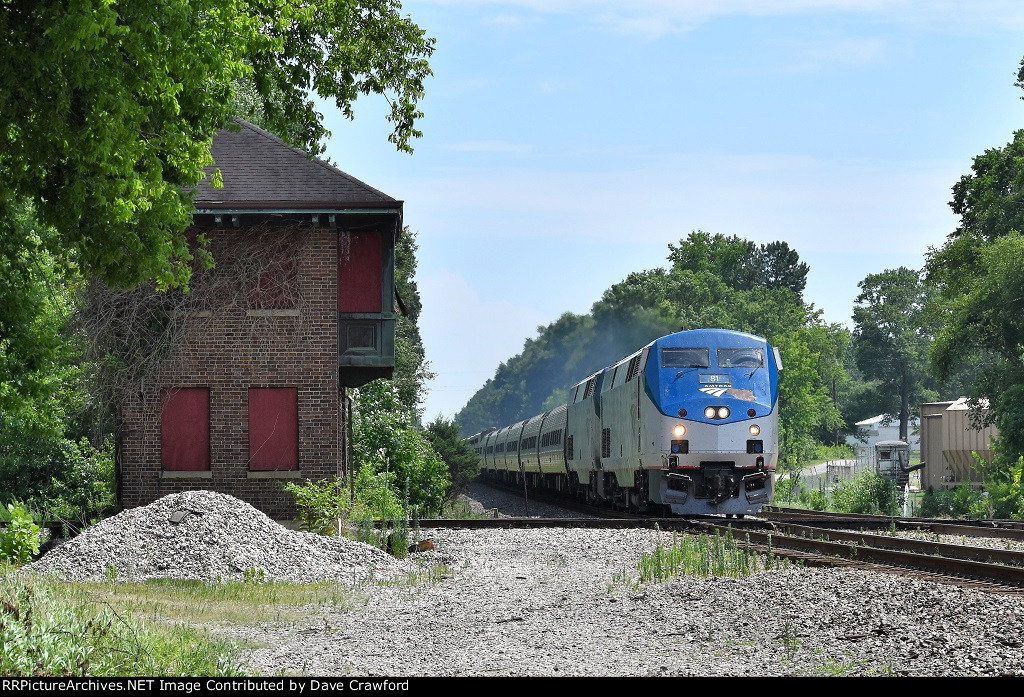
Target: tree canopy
x=108 y=109
x=892 y=338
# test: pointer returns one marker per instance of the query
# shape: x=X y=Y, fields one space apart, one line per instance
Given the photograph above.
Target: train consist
x=687 y=425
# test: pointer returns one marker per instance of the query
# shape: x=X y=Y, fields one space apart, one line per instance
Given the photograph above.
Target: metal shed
x=948 y=440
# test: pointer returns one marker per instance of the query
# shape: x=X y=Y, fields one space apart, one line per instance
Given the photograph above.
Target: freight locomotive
x=687 y=425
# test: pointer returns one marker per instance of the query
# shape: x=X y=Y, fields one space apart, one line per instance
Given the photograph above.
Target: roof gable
x=261 y=171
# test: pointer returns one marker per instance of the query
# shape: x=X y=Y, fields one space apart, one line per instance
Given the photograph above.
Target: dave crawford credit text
x=189 y=686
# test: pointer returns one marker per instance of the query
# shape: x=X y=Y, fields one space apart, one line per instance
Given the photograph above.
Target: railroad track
x=1008 y=529
x=812 y=539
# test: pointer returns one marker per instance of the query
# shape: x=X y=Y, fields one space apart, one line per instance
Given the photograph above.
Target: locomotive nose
x=720 y=484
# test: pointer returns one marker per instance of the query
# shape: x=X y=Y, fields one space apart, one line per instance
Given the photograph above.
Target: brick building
x=300 y=306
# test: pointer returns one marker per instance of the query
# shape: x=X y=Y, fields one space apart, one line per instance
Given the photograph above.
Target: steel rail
x=906 y=544
x=1005 y=527
x=964 y=568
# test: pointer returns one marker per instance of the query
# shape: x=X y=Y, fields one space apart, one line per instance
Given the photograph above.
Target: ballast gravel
x=553 y=602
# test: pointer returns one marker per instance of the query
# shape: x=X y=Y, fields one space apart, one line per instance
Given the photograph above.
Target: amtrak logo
x=746 y=395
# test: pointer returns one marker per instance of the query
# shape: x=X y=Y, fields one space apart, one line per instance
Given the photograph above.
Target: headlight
x=709 y=412
x=679 y=431
x=723 y=412
x=755 y=429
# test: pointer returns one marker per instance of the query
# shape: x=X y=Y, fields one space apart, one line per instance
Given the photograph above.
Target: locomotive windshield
x=685 y=358
x=740 y=357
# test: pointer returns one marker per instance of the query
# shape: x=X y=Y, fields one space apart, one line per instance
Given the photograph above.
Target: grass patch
x=158 y=627
x=231 y=602
x=51 y=628
x=699 y=555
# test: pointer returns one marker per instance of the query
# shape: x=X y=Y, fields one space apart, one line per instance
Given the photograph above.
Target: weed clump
x=718 y=555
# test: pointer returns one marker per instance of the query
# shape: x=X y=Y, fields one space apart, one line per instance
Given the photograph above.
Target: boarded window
x=360 y=274
x=273 y=428
x=275 y=286
x=185 y=429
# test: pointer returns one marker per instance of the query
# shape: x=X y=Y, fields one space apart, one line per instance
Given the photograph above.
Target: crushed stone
x=209 y=536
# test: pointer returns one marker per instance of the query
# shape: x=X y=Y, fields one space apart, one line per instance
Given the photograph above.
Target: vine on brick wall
x=131 y=334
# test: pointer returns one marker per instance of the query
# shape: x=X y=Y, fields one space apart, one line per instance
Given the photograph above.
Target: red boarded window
x=360 y=276
x=273 y=428
x=185 y=428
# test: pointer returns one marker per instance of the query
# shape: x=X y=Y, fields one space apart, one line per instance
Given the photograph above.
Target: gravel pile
x=205 y=535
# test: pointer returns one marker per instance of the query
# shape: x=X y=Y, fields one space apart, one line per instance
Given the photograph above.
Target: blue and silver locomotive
x=687 y=425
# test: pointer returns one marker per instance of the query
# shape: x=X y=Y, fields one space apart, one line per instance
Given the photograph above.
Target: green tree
x=38 y=286
x=739 y=263
x=384 y=440
x=42 y=401
x=978 y=279
x=412 y=369
x=982 y=325
x=463 y=463
x=805 y=402
x=108 y=109
x=892 y=339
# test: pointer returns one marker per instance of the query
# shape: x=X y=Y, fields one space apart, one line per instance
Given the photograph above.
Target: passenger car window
x=685 y=358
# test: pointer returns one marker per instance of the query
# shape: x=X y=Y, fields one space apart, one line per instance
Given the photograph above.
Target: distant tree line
x=711 y=280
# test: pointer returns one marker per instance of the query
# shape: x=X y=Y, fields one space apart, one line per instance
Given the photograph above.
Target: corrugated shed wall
x=960 y=439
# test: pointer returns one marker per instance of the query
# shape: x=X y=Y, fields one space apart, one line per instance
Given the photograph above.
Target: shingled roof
x=261 y=172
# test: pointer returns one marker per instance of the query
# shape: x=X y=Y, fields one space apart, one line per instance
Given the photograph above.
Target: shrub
x=321 y=505
x=815 y=500
x=19 y=539
x=868 y=492
x=961 y=502
x=328 y=507
x=787 y=489
x=85 y=491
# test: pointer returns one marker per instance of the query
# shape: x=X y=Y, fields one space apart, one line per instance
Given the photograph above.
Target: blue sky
x=567 y=143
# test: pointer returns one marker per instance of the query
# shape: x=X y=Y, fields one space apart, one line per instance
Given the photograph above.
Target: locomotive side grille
x=634 y=368
x=568 y=449
x=606 y=442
